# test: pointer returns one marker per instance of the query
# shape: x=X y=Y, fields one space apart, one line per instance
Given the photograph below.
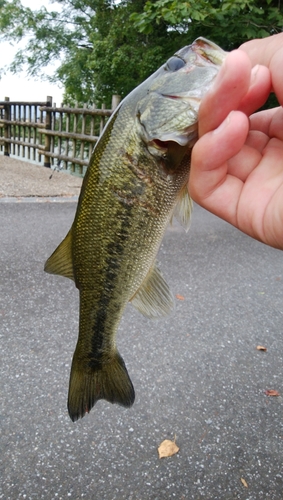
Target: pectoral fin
x=154 y=298
x=183 y=208
x=61 y=262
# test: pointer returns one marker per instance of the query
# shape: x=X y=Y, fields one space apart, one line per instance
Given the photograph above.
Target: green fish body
x=136 y=180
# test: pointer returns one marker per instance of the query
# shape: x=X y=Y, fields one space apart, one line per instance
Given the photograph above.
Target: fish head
x=167 y=114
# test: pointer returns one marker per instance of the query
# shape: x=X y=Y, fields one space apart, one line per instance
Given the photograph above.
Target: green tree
x=228 y=23
x=104 y=47
x=98 y=50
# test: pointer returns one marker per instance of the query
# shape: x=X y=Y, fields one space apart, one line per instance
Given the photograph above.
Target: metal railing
x=58 y=137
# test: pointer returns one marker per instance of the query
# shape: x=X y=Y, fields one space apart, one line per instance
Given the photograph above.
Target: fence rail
x=61 y=137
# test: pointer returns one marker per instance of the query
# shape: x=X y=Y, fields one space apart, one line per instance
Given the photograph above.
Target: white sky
x=19 y=87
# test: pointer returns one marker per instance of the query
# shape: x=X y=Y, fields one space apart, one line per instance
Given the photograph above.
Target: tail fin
x=108 y=381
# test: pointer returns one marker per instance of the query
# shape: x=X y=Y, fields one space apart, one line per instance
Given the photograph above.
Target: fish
x=135 y=183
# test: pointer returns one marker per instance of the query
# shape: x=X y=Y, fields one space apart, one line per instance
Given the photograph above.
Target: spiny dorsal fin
x=154 y=298
x=184 y=208
x=61 y=261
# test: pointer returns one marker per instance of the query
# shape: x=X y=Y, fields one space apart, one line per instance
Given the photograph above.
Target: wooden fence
x=57 y=137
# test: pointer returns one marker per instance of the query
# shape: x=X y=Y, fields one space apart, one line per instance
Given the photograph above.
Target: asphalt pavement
x=198 y=376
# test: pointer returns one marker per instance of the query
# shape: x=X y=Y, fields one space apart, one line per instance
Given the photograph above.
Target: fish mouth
x=201 y=53
x=208 y=51
x=184 y=79
x=194 y=101
x=205 y=52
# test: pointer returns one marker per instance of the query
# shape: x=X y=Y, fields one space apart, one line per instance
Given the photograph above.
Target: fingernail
x=223 y=125
x=254 y=73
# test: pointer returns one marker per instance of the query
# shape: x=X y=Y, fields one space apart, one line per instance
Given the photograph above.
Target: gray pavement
x=197 y=374
x=21 y=179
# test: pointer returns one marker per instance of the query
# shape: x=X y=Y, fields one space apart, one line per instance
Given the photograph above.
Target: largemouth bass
x=136 y=180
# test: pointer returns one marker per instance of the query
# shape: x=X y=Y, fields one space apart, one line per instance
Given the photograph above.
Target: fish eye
x=174 y=63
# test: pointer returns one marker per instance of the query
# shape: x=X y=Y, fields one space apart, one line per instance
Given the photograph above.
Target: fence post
x=7 y=129
x=48 y=123
x=115 y=101
x=102 y=119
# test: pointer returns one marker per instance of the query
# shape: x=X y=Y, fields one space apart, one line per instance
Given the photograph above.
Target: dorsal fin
x=154 y=298
x=61 y=261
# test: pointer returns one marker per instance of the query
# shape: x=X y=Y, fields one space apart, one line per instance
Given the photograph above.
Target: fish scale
x=135 y=181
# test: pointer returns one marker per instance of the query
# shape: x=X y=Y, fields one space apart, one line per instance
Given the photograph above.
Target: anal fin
x=154 y=298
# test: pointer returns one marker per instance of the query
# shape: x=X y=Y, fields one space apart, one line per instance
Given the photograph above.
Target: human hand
x=237 y=163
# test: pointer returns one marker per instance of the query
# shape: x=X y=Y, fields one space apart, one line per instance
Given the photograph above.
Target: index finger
x=229 y=88
x=268 y=52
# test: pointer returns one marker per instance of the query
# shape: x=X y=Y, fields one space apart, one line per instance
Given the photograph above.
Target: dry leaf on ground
x=180 y=297
x=244 y=482
x=272 y=392
x=261 y=348
x=167 y=448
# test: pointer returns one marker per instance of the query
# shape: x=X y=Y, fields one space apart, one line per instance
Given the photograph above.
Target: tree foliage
x=229 y=22
x=103 y=47
x=98 y=49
